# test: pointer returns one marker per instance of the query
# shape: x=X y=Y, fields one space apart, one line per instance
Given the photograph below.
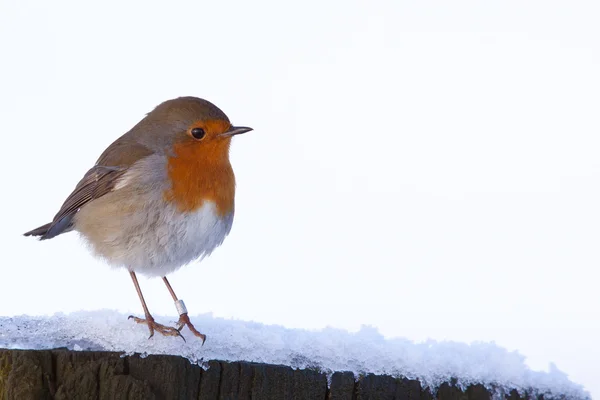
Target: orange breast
x=201 y=172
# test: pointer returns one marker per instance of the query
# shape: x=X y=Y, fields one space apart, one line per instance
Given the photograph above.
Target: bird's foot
x=155 y=326
x=185 y=320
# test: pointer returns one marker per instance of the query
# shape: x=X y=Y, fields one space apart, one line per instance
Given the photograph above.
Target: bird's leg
x=183 y=314
x=152 y=325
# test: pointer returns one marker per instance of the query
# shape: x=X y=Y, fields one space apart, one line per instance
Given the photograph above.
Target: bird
x=159 y=197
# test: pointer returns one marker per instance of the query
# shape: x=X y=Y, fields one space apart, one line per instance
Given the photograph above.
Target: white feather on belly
x=156 y=241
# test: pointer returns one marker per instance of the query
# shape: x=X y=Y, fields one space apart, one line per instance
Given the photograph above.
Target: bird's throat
x=199 y=174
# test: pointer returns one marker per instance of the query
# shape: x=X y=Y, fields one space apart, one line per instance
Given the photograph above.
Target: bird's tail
x=41 y=231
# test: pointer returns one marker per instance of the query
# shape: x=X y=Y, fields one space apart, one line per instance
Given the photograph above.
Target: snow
x=365 y=351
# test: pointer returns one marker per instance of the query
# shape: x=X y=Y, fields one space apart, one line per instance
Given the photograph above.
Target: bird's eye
x=198 y=133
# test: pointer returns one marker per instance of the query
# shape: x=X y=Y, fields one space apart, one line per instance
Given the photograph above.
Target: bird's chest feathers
x=199 y=174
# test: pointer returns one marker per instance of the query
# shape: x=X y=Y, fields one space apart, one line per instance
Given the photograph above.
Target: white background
x=428 y=168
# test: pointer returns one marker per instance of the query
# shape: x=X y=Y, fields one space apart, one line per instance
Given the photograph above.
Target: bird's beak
x=236 y=130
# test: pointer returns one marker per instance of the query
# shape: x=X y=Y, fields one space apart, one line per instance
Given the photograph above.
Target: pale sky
x=427 y=168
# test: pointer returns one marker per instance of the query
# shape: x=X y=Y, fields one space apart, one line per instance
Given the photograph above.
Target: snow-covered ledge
x=371 y=359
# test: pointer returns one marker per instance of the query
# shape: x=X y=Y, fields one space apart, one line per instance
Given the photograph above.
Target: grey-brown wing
x=97 y=182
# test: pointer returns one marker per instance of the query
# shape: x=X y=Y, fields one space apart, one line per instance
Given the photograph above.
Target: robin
x=159 y=197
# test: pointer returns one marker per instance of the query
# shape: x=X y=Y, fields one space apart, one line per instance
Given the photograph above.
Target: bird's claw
x=184 y=320
x=155 y=326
